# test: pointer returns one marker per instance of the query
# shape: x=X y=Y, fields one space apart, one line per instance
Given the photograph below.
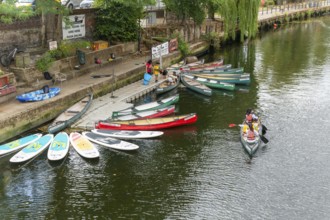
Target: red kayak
x=149 y=124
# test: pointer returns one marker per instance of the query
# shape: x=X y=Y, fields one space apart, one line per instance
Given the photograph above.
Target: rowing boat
x=251 y=146
x=194 y=85
x=215 y=84
x=148 y=106
x=147 y=114
x=71 y=115
x=149 y=124
x=167 y=86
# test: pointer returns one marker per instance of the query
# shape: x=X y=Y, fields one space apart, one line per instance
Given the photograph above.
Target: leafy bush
x=45 y=62
x=183 y=46
x=66 y=49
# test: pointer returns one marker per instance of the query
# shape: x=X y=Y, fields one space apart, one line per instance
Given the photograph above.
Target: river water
x=201 y=171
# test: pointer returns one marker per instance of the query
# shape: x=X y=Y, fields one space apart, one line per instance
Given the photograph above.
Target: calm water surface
x=201 y=171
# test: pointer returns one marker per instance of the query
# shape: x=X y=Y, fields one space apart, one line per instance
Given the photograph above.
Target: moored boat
x=147 y=114
x=215 y=84
x=148 y=106
x=38 y=95
x=167 y=85
x=149 y=124
x=194 y=85
x=71 y=115
x=235 y=80
x=220 y=71
x=207 y=68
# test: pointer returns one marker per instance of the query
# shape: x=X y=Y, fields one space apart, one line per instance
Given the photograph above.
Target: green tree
x=119 y=20
x=238 y=14
x=9 y=12
x=186 y=9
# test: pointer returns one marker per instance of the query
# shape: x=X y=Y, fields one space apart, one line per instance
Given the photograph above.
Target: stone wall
x=25 y=34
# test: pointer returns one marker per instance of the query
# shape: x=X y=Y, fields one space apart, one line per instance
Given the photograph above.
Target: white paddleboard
x=110 y=142
x=18 y=144
x=33 y=149
x=83 y=146
x=59 y=147
x=128 y=134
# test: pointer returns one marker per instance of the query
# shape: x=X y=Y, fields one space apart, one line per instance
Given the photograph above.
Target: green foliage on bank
x=65 y=49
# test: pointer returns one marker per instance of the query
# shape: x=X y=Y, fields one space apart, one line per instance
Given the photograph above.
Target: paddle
x=265 y=140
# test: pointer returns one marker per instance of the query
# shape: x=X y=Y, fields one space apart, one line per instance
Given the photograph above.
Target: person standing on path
x=156 y=71
x=149 y=67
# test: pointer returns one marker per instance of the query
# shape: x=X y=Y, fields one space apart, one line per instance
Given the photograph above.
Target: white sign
x=75 y=28
x=159 y=50
x=52 y=45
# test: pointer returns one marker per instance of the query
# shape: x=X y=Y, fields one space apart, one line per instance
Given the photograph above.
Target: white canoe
x=59 y=147
x=83 y=146
x=33 y=149
x=128 y=134
x=18 y=144
x=110 y=142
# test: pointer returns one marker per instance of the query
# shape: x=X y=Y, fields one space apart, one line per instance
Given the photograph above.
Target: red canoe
x=149 y=124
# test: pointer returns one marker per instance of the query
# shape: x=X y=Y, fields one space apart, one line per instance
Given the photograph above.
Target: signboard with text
x=75 y=28
x=159 y=50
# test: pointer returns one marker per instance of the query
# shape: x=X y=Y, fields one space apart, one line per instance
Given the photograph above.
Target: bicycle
x=6 y=59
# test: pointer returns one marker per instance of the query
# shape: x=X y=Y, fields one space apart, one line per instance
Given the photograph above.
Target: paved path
x=13 y=107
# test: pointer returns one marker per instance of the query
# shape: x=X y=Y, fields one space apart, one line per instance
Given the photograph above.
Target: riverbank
x=17 y=118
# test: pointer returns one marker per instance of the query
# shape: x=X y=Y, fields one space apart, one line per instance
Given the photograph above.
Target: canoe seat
x=84 y=101
x=70 y=111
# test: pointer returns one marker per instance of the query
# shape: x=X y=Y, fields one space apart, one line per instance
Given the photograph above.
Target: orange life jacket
x=248 y=118
x=250 y=135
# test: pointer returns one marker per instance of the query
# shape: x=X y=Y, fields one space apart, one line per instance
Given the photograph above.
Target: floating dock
x=103 y=106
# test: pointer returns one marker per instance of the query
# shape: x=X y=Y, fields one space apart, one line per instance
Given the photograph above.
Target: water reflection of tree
x=293 y=52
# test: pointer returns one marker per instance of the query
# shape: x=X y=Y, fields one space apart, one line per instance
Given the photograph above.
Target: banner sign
x=159 y=50
x=75 y=28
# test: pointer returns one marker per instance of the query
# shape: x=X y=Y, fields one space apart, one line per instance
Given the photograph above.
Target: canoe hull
x=147 y=107
x=148 y=114
x=71 y=115
x=195 y=86
x=150 y=124
x=251 y=146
